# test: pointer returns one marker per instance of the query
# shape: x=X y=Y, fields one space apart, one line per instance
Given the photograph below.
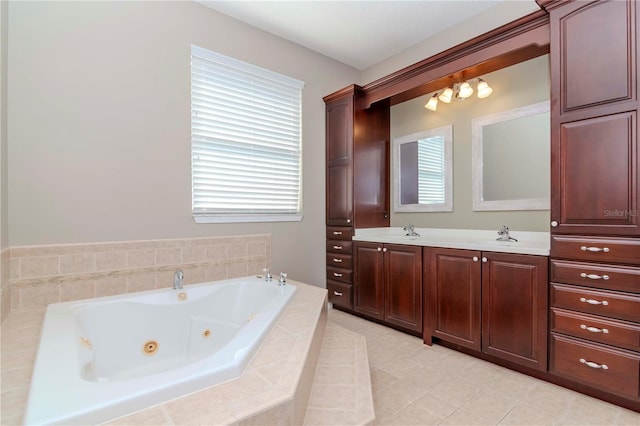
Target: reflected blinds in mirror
x=431 y=170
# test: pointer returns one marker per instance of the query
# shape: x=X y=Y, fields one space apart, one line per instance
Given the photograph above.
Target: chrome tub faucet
x=178 y=276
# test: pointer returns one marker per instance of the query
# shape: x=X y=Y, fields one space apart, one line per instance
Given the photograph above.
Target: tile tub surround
x=534 y=243
x=40 y=275
x=274 y=389
x=5 y=298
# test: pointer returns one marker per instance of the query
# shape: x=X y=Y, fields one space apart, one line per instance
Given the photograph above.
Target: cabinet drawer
x=339 y=274
x=339 y=233
x=610 y=277
x=337 y=246
x=340 y=294
x=340 y=260
x=599 y=329
x=598 y=302
x=600 y=366
x=610 y=250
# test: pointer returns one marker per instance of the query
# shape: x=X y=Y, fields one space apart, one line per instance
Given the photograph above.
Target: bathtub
x=99 y=359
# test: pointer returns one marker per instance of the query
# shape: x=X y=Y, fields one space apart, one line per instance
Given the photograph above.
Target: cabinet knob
x=348 y=220
x=384 y=249
x=554 y=223
x=475 y=258
x=484 y=260
x=379 y=248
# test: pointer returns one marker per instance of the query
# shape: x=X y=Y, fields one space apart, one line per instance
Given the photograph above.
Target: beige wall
x=99 y=124
x=4 y=223
x=517 y=86
x=483 y=22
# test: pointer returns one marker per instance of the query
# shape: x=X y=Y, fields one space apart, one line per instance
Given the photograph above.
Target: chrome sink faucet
x=178 y=276
x=504 y=234
x=410 y=231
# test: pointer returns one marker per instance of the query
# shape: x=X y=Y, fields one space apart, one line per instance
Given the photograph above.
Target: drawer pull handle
x=337 y=232
x=337 y=247
x=336 y=274
x=594 y=249
x=593 y=301
x=337 y=260
x=593 y=364
x=594 y=276
x=337 y=293
x=594 y=329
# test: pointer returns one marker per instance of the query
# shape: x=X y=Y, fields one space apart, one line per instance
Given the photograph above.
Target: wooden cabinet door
x=514 y=308
x=369 y=279
x=339 y=157
x=595 y=174
x=453 y=311
x=403 y=281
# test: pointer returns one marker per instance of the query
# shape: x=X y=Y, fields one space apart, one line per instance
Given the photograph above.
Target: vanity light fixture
x=446 y=95
x=484 y=89
x=459 y=91
x=433 y=103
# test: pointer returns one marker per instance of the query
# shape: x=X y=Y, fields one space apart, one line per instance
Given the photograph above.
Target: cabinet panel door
x=369 y=279
x=595 y=176
x=403 y=270
x=454 y=304
x=593 y=50
x=514 y=308
x=339 y=195
x=339 y=128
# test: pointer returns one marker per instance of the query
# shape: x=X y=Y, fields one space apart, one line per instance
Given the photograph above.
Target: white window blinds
x=246 y=141
x=431 y=170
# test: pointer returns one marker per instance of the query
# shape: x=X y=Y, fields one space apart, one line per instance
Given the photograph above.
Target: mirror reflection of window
x=423 y=171
x=431 y=170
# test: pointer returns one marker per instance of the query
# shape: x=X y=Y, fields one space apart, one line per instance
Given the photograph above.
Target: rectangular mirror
x=511 y=158
x=423 y=170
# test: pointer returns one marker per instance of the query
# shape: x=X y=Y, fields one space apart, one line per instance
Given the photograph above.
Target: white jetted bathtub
x=102 y=358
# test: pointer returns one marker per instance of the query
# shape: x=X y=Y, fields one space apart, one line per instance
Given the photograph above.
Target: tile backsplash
x=39 y=275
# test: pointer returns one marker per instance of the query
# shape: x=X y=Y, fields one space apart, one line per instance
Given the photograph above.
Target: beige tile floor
x=414 y=384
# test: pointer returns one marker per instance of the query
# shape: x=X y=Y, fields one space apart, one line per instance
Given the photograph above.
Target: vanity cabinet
x=357 y=182
x=490 y=302
x=388 y=283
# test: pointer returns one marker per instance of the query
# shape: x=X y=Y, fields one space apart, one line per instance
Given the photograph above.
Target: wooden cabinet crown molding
x=512 y=43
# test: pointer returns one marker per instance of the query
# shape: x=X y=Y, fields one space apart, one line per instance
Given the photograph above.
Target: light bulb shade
x=484 y=89
x=465 y=90
x=432 y=104
x=446 y=95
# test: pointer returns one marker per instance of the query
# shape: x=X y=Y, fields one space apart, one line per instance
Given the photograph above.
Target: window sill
x=246 y=218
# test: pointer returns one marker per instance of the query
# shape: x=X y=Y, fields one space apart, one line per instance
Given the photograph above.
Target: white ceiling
x=357 y=33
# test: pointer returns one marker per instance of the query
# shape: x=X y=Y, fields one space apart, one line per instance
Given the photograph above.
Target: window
x=423 y=170
x=246 y=141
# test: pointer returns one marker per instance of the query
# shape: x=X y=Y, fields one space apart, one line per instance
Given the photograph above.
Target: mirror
x=423 y=170
x=510 y=159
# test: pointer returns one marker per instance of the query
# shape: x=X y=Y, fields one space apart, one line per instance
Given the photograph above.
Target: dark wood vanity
x=591 y=281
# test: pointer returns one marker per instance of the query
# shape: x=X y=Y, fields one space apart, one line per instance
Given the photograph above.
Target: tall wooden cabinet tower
x=595 y=174
x=357 y=181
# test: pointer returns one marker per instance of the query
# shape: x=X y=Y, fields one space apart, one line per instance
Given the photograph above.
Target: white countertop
x=535 y=243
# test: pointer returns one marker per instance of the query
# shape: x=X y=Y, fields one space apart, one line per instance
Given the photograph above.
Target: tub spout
x=178 y=276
